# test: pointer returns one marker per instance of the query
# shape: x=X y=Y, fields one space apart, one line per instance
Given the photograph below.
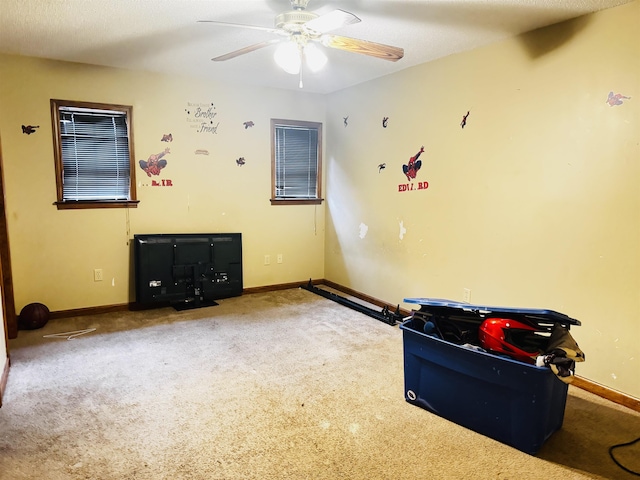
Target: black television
x=187 y=270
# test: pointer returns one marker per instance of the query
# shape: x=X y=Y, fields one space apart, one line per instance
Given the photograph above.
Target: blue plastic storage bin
x=515 y=403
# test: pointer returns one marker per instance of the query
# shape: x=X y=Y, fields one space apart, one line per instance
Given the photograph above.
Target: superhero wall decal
x=154 y=165
x=616 y=99
x=463 y=123
x=29 y=129
x=410 y=170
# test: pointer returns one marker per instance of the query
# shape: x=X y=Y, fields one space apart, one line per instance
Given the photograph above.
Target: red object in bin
x=501 y=335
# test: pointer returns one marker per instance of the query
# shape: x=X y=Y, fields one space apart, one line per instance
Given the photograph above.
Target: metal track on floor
x=385 y=315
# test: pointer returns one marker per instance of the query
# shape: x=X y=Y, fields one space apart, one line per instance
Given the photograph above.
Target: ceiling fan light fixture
x=315 y=57
x=287 y=56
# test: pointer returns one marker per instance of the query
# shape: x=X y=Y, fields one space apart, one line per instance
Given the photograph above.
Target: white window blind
x=296 y=162
x=95 y=154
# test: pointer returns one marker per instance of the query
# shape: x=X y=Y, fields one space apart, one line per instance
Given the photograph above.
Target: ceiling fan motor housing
x=293 y=20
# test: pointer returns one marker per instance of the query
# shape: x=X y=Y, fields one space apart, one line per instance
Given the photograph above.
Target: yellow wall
x=535 y=203
x=54 y=252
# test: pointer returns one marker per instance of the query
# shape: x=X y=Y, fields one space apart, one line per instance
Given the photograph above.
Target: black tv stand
x=195 y=281
x=192 y=304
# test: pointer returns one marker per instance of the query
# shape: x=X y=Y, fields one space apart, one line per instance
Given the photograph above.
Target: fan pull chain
x=302 y=59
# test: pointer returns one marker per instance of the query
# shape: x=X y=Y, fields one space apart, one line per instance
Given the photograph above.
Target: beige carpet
x=280 y=385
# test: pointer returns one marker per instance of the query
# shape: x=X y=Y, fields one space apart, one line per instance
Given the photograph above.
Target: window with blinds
x=94 y=158
x=296 y=161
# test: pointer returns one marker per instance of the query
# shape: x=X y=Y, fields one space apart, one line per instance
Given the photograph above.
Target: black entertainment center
x=187 y=270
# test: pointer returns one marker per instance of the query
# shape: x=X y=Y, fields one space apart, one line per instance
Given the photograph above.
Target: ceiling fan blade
x=379 y=50
x=331 y=21
x=244 y=50
x=241 y=25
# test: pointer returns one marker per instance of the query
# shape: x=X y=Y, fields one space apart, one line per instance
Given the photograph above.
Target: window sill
x=81 y=204
x=296 y=201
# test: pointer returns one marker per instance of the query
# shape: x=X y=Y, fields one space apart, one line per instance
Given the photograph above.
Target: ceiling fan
x=300 y=30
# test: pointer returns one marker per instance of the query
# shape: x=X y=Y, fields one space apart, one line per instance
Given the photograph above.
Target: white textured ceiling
x=164 y=36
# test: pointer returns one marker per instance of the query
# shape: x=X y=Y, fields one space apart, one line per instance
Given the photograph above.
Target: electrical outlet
x=267 y=259
x=97 y=275
x=279 y=258
x=466 y=295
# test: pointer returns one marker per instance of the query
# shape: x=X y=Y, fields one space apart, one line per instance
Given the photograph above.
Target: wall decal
x=248 y=124
x=616 y=99
x=165 y=182
x=29 y=129
x=409 y=187
x=464 y=120
x=411 y=170
x=345 y=120
x=202 y=117
x=167 y=137
x=381 y=167
x=384 y=121
x=241 y=161
x=154 y=163
x=201 y=152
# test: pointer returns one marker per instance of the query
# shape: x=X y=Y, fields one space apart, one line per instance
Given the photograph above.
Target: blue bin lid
x=548 y=314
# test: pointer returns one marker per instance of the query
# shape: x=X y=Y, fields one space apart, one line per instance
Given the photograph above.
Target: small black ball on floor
x=32 y=316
